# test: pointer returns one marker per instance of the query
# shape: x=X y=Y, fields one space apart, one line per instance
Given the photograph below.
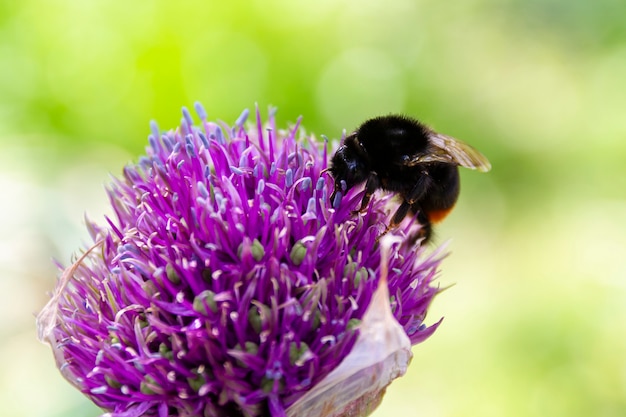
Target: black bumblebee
x=399 y=154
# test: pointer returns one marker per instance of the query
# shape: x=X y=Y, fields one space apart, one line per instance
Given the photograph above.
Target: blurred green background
x=535 y=325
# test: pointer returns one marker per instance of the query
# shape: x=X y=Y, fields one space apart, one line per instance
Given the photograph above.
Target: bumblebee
x=401 y=155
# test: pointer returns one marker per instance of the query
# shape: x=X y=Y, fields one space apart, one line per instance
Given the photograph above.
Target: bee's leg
x=424 y=232
x=397 y=218
x=419 y=189
x=414 y=198
x=411 y=203
x=399 y=215
x=372 y=184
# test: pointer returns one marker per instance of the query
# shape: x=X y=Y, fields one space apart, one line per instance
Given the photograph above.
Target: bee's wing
x=453 y=151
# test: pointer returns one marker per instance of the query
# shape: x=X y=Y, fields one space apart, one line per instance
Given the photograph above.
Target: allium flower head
x=227 y=283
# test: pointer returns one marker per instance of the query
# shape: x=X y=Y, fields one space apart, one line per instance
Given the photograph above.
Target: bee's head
x=350 y=164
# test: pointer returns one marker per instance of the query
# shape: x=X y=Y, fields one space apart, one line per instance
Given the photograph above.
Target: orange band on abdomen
x=435 y=216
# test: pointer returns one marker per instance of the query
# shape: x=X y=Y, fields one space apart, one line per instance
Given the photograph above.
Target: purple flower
x=227 y=284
